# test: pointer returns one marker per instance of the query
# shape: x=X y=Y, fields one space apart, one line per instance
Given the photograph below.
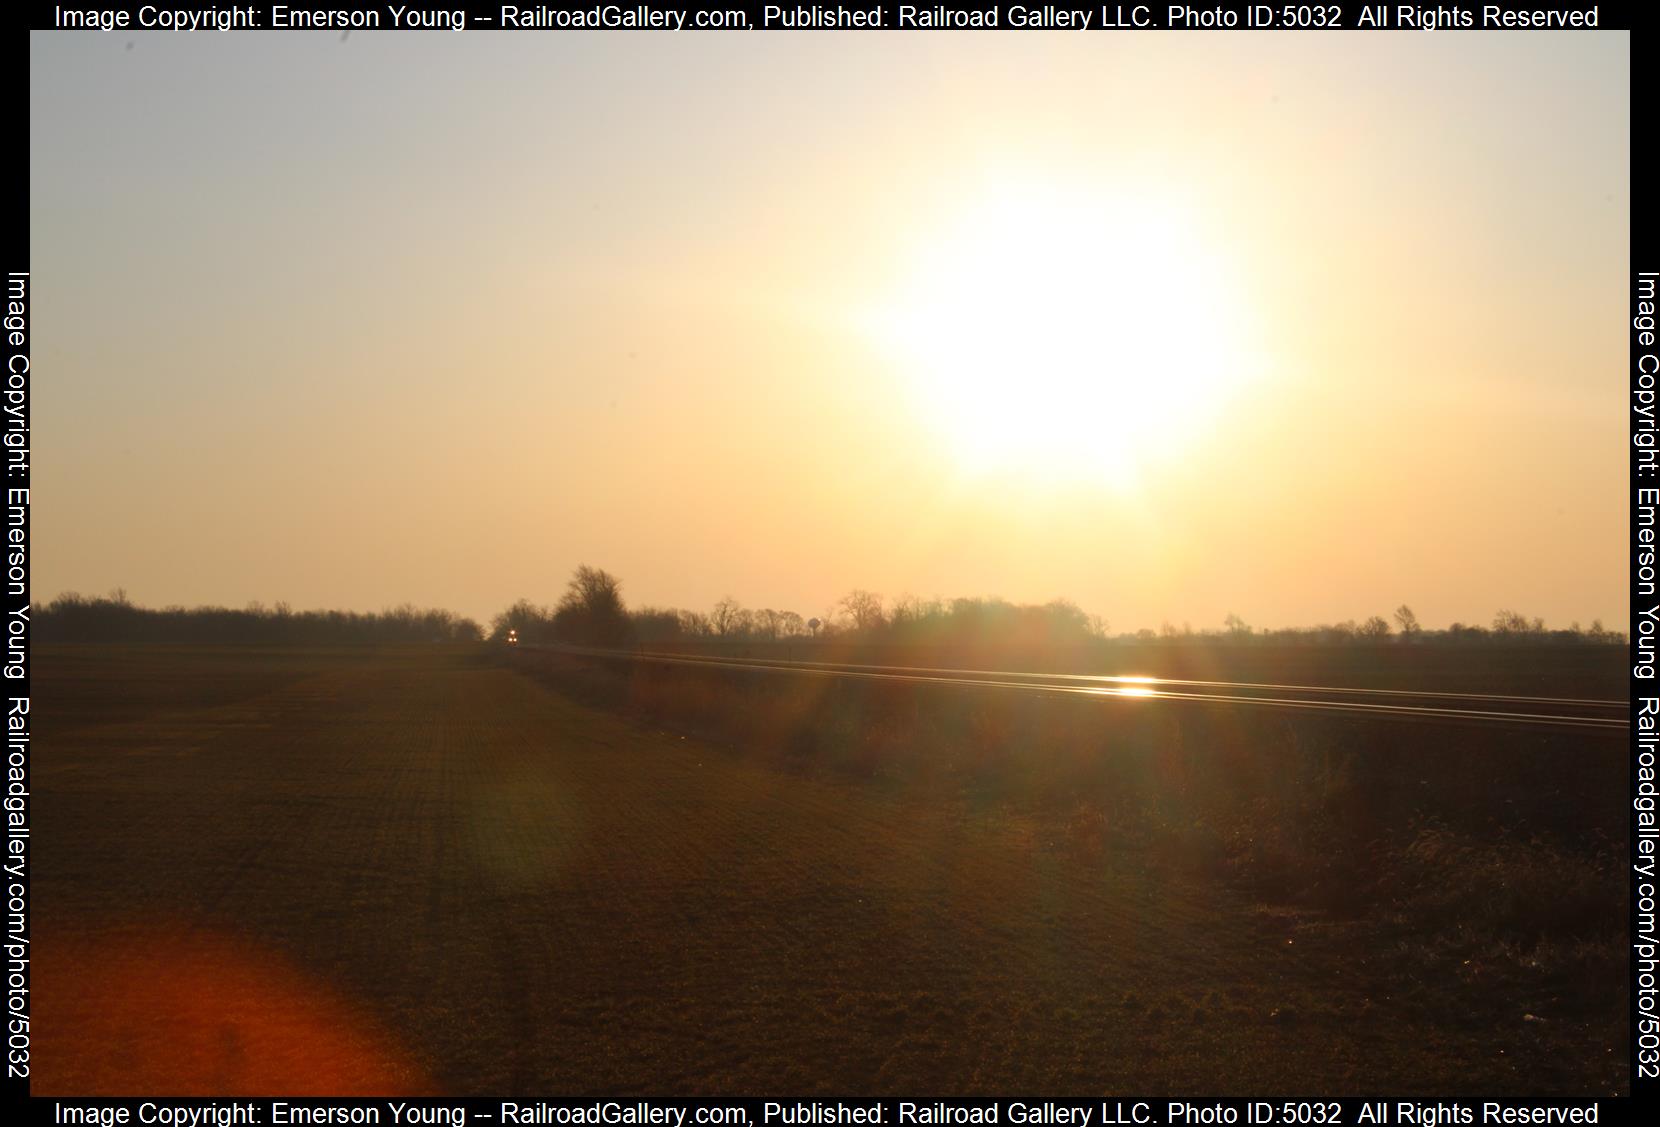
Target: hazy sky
x=1299 y=327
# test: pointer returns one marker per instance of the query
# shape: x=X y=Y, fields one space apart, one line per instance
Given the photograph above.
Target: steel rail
x=1136 y=688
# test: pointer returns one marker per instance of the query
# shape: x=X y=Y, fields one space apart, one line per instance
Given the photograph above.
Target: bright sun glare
x=1069 y=337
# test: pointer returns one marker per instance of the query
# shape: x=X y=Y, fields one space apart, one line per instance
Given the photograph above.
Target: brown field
x=417 y=870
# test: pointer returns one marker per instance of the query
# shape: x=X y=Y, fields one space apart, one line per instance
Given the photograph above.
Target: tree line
x=114 y=618
x=592 y=612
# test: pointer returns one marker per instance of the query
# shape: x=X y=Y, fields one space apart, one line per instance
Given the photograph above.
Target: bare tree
x=594 y=589
x=592 y=610
x=1407 y=621
x=727 y=618
x=864 y=608
x=1375 y=627
x=908 y=610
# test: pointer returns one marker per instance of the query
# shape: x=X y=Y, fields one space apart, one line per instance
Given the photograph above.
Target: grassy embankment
x=1479 y=851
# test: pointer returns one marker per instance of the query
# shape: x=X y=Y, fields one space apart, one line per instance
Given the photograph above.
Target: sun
x=1070 y=336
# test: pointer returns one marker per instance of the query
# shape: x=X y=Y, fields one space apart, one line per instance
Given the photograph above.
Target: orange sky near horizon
x=1296 y=327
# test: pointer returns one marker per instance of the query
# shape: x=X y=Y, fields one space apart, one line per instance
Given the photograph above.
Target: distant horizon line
x=1515 y=624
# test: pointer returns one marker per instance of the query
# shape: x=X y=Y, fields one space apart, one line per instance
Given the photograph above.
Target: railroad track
x=1405 y=704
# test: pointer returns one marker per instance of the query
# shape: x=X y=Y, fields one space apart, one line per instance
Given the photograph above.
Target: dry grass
x=482 y=886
